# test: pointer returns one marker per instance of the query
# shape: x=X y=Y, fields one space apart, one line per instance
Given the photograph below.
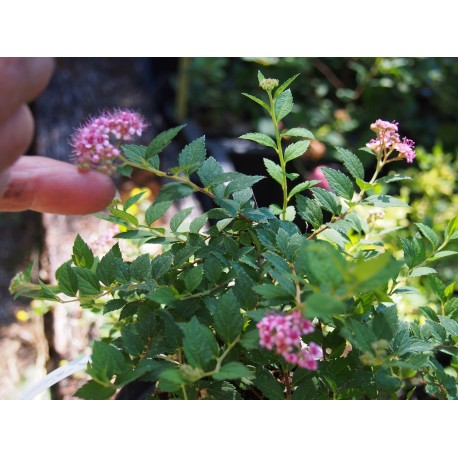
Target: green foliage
x=185 y=320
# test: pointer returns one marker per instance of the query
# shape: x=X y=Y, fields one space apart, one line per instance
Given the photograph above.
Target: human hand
x=33 y=182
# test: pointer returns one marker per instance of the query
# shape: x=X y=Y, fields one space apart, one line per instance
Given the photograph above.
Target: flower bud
x=268 y=84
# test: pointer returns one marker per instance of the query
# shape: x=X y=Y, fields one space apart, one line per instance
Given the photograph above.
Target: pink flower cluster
x=388 y=140
x=282 y=333
x=93 y=142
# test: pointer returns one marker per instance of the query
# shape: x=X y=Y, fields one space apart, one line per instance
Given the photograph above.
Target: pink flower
x=388 y=140
x=282 y=333
x=93 y=142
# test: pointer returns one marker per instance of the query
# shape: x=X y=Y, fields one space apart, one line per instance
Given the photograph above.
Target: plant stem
x=281 y=157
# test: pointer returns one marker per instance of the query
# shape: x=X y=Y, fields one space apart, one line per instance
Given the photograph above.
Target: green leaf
x=383 y=201
x=269 y=387
x=323 y=306
x=414 y=251
x=438 y=287
x=233 y=370
x=442 y=254
x=262 y=139
x=193 y=278
x=209 y=170
x=302 y=187
x=134 y=153
x=393 y=178
x=132 y=200
x=283 y=104
x=114 y=304
x=260 y=76
x=285 y=85
x=327 y=200
x=351 y=162
x=107 y=269
x=227 y=317
x=309 y=211
x=178 y=218
x=258 y=101
x=240 y=183
x=364 y=186
x=422 y=271
x=156 y=210
x=125 y=170
x=140 y=268
x=275 y=292
x=429 y=234
x=450 y=325
x=161 y=264
x=199 y=344
x=163 y=295
x=107 y=361
x=132 y=341
x=451 y=232
x=296 y=149
x=386 y=381
x=274 y=170
x=212 y=268
x=125 y=217
x=198 y=223
x=385 y=323
x=193 y=155
x=298 y=132
x=67 y=279
x=161 y=141
x=88 y=283
x=82 y=255
x=95 y=391
x=359 y=334
x=339 y=182
x=173 y=192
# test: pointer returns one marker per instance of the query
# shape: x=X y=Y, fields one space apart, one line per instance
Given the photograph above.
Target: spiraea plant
x=241 y=303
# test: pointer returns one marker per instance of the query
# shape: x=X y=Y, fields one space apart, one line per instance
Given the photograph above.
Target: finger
x=16 y=135
x=21 y=80
x=50 y=186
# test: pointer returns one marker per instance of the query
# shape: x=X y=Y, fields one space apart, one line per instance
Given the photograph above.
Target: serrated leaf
x=323 y=306
x=393 y=178
x=364 y=186
x=163 y=295
x=198 y=223
x=134 y=153
x=114 y=304
x=274 y=170
x=283 y=104
x=227 y=317
x=327 y=200
x=173 y=192
x=95 y=391
x=82 y=255
x=140 y=268
x=429 y=234
x=269 y=387
x=283 y=86
x=351 y=162
x=193 y=155
x=450 y=325
x=442 y=254
x=161 y=264
x=107 y=269
x=132 y=200
x=240 y=183
x=125 y=217
x=302 y=187
x=339 y=182
x=67 y=280
x=107 y=361
x=209 y=170
x=274 y=292
x=132 y=341
x=233 y=370
x=193 y=278
x=414 y=251
x=298 y=132
x=296 y=149
x=161 y=141
x=359 y=334
x=385 y=323
x=258 y=101
x=259 y=138
x=199 y=345
x=178 y=218
x=309 y=211
x=451 y=232
x=384 y=201
x=156 y=210
x=88 y=283
x=421 y=271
